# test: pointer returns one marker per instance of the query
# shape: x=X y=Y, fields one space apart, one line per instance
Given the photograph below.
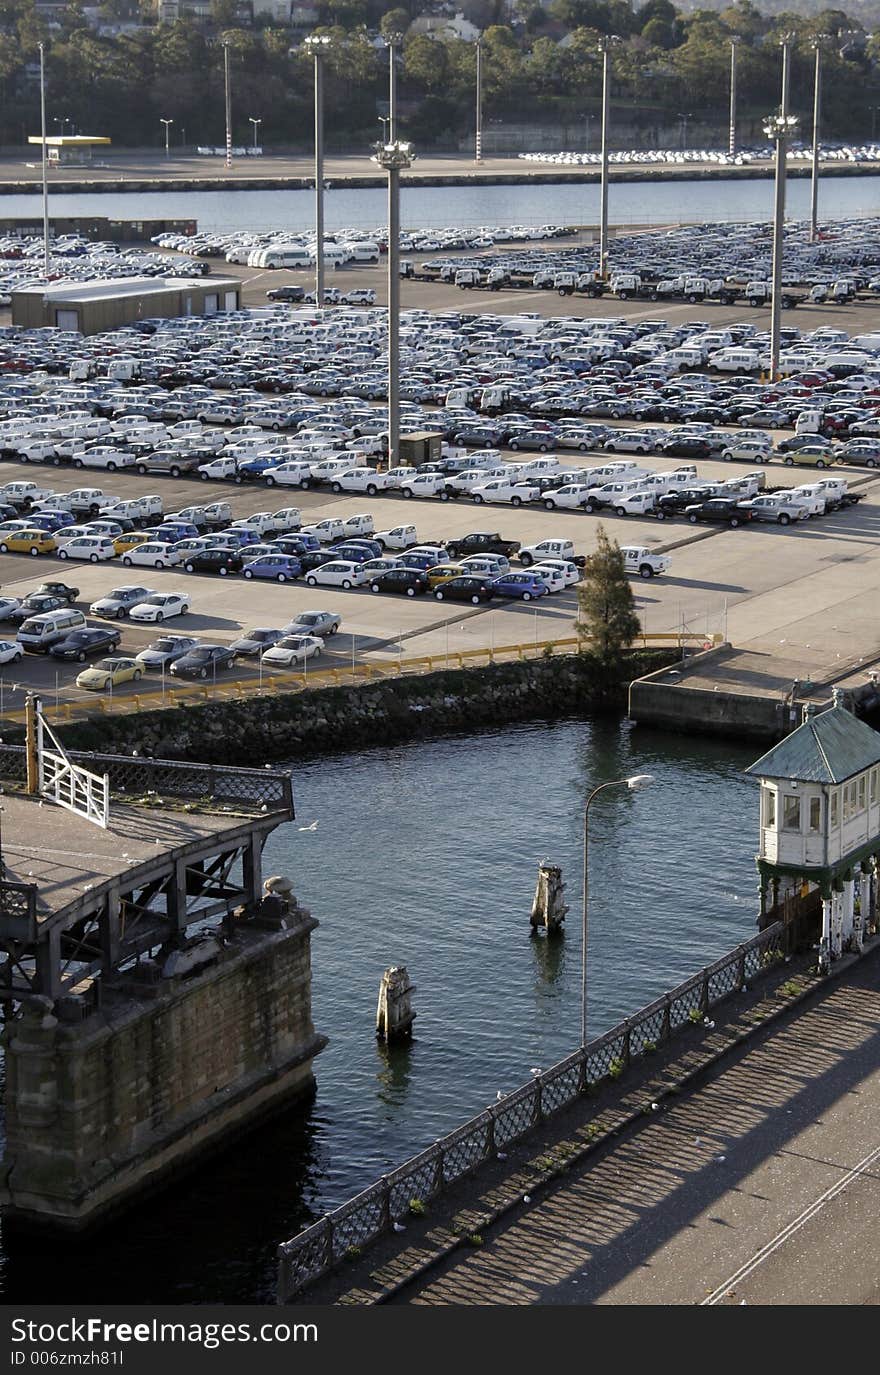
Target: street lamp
x=256 y=123
x=317 y=44
x=478 y=123
x=605 y=44
x=779 y=128
x=228 y=103
x=45 y=170
x=168 y=123
x=394 y=157
x=635 y=783
x=818 y=44
x=731 y=136
x=683 y=128
x=392 y=43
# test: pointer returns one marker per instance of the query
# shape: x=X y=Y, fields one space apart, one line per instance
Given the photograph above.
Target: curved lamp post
x=634 y=783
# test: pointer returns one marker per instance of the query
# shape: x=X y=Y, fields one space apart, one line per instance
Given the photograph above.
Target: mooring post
x=548 y=908
x=394 y=1014
x=32 y=706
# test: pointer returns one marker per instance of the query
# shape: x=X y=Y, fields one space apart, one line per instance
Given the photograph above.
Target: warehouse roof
x=119 y=287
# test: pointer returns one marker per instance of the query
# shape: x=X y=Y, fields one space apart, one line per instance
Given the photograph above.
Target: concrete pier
x=156 y=1004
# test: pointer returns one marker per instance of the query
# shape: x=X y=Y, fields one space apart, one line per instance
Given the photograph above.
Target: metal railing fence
x=372 y=1213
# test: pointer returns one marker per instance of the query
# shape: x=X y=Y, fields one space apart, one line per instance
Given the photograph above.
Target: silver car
x=319 y=623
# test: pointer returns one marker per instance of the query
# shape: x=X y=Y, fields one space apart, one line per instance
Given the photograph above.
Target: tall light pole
x=392 y=42
x=683 y=128
x=634 y=783
x=394 y=157
x=168 y=123
x=731 y=135
x=478 y=123
x=605 y=44
x=256 y=123
x=779 y=128
x=44 y=164
x=228 y=103
x=317 y=44
x=818 y=43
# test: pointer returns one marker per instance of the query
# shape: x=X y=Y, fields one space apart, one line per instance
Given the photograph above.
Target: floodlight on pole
x=44 y=162
x=168 y=123
x=779 y=128
x=256 y=123
x=819 y=43
x=317 y=44
x=731 y=134
x=392 y=42
x=228 y=95
x=478 y=122
x=393 y=157
x=605 y=45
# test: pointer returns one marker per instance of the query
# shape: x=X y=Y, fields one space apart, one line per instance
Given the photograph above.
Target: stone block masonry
x=164 y=1069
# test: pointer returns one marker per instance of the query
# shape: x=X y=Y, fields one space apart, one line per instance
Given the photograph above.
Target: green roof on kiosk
x=828 y=748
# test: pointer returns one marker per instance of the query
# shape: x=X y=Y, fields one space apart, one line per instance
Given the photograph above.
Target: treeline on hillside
x=543 y=67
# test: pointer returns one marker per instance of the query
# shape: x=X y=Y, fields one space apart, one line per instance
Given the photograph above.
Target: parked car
x=481 y=542
x=410 y=582
x=33 y=542
x=153 y=554
x=468 y=588
x=110 y=673
x=220 y=560
x=275 y=566
x=255 y=642
x=80 y=644
x=524 y=586
x=337 y=573
x=161 y=606
x=118 y=602
x=292 y=649
x=318 y=623
x=57 y=589
x=723 y=510
x=203 y=661
x=10 y=652
x=162 y=652
x=94 y=548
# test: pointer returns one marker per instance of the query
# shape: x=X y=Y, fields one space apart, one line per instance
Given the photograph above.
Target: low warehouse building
x=92 y=307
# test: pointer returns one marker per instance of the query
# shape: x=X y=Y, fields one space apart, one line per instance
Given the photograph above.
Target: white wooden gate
x=71 y=786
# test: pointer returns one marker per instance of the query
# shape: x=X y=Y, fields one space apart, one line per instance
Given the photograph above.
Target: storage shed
x=93 y=307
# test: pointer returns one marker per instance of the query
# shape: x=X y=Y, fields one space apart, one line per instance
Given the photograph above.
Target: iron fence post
x=626 y=1049
x=490 y=1135
x=386 y=1203
x=741 y=968
x=539 y=1099
x=665 y=1024
x=704 y=993
x=437 y=1186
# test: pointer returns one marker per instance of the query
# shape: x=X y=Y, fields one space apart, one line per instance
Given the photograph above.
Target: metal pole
x=392 y=87
x=319 y=179
x=604 y=46
x=228 y=105
x=779 y=215
x=731 y=139
x=393 y=316
x=45 y=165
x=256 y=123
x=478 y=127
x=168 y=123
x=814 y=182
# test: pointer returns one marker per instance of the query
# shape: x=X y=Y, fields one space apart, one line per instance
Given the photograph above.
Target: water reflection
x=396 y=1066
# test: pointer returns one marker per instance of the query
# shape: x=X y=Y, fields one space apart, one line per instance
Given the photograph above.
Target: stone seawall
x=299 y=724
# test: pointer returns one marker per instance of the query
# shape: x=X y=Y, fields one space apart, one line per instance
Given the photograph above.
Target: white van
x=285 y=256
x=39 y=633
x=363 y=252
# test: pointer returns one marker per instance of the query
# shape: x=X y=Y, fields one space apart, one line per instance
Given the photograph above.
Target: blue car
x=51 y=520
x=279 y=567
x=373 y=545
x=257 y=467
x=422 y=561
x=298 y=544
x=172 y=531
x=526 y=586
x=355 y=552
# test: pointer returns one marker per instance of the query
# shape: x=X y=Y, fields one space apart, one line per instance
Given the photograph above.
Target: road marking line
x=781 y=1237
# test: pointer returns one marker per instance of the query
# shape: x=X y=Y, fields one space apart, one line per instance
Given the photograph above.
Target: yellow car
x=27 y=542
x=443 y=572
x=110 y=673
x=131 y=540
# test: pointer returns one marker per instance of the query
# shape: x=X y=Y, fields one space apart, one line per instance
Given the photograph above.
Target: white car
x=161 y=606
x=747 y=451
x=647 y=564
x=438 y=552
x=8 y=605
x=815 y=496
x=95 y=548
x=512 y=493
x=362 y=480
x=10 y=652
x=293 y=473
x=628 y=442
x=102 y=456
x=552 y=577
x=423 y=485
x=339 y=573
x=568 y=498
x=326 y=530
x=566 y=570
x=155 y=554
x=400 y=537
x=293 y=649
x=260 y=522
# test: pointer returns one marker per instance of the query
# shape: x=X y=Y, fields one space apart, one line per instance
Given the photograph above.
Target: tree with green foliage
x=607 y=619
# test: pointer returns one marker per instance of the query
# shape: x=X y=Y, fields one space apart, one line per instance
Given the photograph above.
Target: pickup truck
x=175 y=463
x=89 y=500
x=781 y=507
x=550 y=549
x=484 y=542
x=643 y=561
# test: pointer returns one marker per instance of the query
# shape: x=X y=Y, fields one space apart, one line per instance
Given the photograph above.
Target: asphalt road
x=759 y=1188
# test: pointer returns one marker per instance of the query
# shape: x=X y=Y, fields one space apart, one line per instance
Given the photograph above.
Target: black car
x=57 y=589
x=481 y=542
x=315 y=558
x=35 y=605
x=286 y=293
x=82 y=643
x=723 y=510
x=465 y=589
x=686 y=448
x=203 y=661
x=410 y=582
x=676 y=503
x=222 y=561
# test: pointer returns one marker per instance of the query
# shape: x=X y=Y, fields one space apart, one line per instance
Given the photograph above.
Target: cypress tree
x=607 y=620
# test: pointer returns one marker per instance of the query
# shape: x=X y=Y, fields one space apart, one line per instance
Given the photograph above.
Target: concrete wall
x=668 y=703
x=102 y=1108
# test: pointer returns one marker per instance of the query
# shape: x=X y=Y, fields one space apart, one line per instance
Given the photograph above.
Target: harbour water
x=531 y=203
x=426 y=854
